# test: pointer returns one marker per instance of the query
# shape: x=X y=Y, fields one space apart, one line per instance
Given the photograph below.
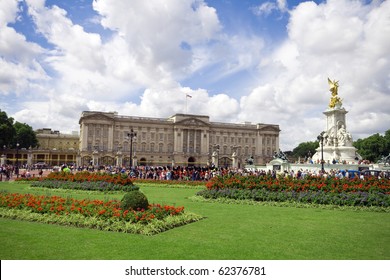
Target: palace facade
x=181 y=139
x=54 y=149
x=107 y=138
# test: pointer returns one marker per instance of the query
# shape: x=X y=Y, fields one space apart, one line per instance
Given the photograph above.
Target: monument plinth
x=337 y=141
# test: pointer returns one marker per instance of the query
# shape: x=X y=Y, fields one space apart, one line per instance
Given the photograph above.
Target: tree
x=374 y=146
x=387 y=142
x=7 y=130
x=25 y=136
x=305 y=149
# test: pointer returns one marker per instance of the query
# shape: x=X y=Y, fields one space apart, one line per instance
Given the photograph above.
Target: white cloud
x=145 y=51
x=156 y=45
x=8 y=11
x=73 y=45
x=265 y=9
x=155 y=32
x=327 y=29
x=19 y=69
x=268 y=7
x=343 y=40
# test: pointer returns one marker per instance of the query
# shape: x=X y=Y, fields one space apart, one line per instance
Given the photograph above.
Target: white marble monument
x=336 y=143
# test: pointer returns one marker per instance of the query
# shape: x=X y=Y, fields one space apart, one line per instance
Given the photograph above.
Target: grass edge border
x=197 y=198
x=80 y=221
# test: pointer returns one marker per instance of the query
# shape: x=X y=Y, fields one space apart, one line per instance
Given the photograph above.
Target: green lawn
x=229 y=231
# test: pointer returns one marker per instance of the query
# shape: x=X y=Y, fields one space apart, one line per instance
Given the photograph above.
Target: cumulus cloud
x=268 y=7
x=153 y=47
x=17 y=56
x=337 y=39
x=154 y=44
x=162 y=36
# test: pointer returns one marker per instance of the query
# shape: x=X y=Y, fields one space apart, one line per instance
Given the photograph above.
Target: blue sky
x=240 y=60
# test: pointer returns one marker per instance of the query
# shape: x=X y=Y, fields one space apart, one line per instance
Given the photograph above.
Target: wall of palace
x=182 y=139
x=54 y=149
x=179 y=140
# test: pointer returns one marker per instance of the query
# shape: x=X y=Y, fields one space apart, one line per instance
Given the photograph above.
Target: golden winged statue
x=333 y=88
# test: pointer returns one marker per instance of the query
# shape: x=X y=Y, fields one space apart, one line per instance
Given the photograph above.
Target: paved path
x=34 y=173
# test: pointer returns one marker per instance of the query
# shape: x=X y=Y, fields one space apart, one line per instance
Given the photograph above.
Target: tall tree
x=372 y=147
x=7 y=130
x=305 y=149
x=387 y=142
x=25 y=136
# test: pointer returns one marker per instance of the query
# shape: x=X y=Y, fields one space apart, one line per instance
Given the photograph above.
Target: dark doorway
x=191 y=161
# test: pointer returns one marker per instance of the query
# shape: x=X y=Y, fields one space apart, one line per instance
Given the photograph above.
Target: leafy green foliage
x=371 y=148
x=374 y=147
x=134 y=200
x=25 y=135
x=304 y=150
x=77 y=220
x=7 y=130
x=12 y=133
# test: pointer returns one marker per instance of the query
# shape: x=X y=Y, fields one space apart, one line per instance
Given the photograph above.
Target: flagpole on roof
x=187 y=96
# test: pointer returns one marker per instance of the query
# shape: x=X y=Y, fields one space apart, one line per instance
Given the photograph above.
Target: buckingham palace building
x=107 y=138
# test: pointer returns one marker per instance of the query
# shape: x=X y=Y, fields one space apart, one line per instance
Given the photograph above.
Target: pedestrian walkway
x=33 y=173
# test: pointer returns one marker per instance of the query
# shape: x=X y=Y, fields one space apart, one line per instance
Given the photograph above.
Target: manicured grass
x=229 y=231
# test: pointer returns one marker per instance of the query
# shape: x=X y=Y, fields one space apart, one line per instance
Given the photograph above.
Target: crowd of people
x=9 y=171
x=194 y=173
x=183 y=173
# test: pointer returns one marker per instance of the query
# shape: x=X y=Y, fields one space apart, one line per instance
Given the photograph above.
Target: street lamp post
x=321 y=140
x=17 y=161
x=131 y=135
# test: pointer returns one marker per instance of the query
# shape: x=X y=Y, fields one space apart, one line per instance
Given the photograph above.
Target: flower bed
x=79 y=177
x=83 y=181
x=307 y=184
x=115 y=179
x=170 y=183
x=327 y=191
x=97 y=208
x=99 y=214
x=317 y=197
x=102 y=186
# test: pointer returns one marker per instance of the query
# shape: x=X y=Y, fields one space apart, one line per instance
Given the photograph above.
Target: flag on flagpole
x=189 y=96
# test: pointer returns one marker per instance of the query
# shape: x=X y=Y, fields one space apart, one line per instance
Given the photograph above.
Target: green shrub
x=134 y=200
